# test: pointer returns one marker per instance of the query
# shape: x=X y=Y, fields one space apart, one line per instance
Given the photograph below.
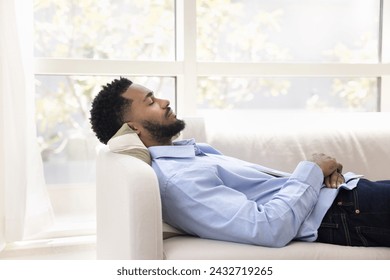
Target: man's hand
x=331 y=169
x=334 y=180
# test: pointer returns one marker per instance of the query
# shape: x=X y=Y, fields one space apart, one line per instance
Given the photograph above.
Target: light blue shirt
x=210 y=195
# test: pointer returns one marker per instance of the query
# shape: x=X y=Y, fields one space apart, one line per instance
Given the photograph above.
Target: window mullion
x=293 y=69
x=186 y=53
x=385 y=30
x=385 y=57
x=52 y=66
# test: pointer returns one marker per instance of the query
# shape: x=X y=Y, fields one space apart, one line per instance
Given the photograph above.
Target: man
x=207 y=194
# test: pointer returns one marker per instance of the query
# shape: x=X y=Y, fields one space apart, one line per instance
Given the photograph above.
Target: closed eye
x=151 y=100
x=150 y=97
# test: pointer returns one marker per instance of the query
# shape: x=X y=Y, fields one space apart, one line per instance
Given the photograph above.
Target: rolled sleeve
x=310 y=173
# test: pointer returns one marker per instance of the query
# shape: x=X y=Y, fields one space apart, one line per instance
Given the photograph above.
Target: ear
x=134 y=127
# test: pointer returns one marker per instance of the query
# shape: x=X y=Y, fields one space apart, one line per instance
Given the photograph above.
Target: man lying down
x=210 y=195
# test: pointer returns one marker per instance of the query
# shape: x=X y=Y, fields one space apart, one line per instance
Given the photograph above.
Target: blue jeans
x=360 y=217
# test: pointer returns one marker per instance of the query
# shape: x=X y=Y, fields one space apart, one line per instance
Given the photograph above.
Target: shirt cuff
x=309 y=173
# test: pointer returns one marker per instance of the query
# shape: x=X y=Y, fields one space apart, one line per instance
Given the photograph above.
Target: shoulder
x=206 y=148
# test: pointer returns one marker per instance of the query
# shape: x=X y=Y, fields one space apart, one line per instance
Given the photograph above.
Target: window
x=206 y=57
x=124 y=29
x=319 y=94
x=288 y=32
x=281 y=31
x=69 y=35
x=91 y=30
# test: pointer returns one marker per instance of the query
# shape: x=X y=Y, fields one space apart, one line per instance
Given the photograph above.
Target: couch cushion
x=126 y=141
x=280 y=140
x=188 y=247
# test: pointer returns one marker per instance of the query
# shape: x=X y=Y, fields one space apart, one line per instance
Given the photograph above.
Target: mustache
x=169 y=109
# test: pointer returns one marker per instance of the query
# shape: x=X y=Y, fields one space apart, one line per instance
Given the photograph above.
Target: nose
x=164 y=103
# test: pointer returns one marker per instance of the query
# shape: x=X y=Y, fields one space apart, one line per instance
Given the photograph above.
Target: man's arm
x=202 y=205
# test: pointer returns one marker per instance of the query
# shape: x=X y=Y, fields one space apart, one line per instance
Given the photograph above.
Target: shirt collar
x=186 y=148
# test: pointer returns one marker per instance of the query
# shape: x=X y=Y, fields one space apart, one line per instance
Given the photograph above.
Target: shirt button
x=339 y=203
x=357 y=211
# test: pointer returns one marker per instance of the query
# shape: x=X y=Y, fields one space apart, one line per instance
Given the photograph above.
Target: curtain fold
x=25 y=207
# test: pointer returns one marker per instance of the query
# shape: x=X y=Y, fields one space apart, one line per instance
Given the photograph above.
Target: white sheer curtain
x=25 y=208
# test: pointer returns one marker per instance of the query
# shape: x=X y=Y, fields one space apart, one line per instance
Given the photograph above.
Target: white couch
x=129 y=221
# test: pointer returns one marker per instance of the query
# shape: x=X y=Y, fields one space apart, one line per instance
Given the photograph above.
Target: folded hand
x=331 y=169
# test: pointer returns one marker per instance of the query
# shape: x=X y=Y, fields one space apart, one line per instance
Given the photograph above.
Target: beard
x=164 y=133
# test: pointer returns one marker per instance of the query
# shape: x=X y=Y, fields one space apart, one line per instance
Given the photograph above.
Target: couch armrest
x=129 y=220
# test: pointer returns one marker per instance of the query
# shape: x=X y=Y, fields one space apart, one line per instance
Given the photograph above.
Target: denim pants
x=360 y=217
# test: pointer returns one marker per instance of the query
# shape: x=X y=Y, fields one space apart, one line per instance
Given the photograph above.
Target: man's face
x=150 y=116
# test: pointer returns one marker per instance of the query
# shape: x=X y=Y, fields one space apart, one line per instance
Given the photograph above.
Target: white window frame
x=385 y=60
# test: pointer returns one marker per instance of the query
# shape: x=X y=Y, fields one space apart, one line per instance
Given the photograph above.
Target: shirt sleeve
x=201 y=205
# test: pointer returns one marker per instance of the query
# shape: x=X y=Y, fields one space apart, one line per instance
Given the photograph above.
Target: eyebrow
x=149 y=94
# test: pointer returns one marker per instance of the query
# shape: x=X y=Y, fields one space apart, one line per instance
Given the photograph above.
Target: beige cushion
x=126 y=141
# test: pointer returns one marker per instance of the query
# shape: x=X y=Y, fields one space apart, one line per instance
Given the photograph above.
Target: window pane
x=280 y=30
x=68 y=145
x=102 y=29
x=303 y=94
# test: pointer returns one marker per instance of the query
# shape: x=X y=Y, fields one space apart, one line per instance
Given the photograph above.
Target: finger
x=327 y=182
x=340 y=180
x=332 y=168
x=339 y=167
x=334 y=180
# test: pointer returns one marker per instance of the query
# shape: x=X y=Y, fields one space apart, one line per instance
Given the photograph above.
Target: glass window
x=68 y=145
x=298 y=94
x=103 y=29
x=281 y=31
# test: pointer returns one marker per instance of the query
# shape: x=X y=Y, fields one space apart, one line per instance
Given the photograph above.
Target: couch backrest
x=360 y=141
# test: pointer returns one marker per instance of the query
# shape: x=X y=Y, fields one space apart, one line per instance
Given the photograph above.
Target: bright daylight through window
x=288 y=31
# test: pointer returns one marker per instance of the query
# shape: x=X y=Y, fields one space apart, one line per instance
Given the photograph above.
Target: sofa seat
x=193 y=248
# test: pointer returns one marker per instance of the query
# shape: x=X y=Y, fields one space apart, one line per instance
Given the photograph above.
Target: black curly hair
x=108 y=107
